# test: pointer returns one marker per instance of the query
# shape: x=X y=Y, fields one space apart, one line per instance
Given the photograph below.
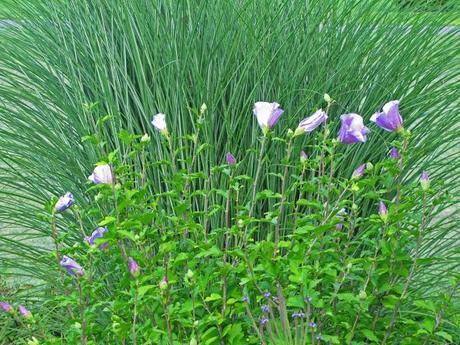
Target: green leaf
x=144 y=289
x=370 y=335
x=445 y=336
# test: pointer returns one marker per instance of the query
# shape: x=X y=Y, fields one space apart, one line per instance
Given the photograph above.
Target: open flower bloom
x=394 y=153
x=310 y=123
x=389 y=119
x=267 y=114
x=98 y=233
x=425 y=180
x=64 y=202
x=6 y=307
x=71 y=266
x=24 y=312
x=133 y=267
x=102 y=174
x=352 y=129
x=359 y=172
x=231 y=160
x=159 y=122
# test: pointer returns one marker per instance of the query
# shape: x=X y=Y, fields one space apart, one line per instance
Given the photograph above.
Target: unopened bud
x=145 y=138
x=327 y=98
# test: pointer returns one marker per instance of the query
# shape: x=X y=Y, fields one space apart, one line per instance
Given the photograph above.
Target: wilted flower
x=359 y=172
x=310 y=123
x=265 y=308
x=71 y=266
x=383 y=212
x=267 y=114
x=394 y=153
x=352 y=129
x=231 y=160
x=159 y=122
x=64 y=202
x=389 y=119
x=245 y=299
x=164 y=283
x=133 y=267
x=24 y=312
x=303 y=156
x=264 y=321
x=267 y=294
x=102 y=174
x=98 y=233
x=425 y=181
x=6 y=307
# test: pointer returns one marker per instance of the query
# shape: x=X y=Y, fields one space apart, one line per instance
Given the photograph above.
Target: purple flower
x=394 y=153
x=312 y=324
x=24 y=312
x=319 y=337
x=98 y=233
x=359 y=172
x=298 y=315
x=338 y=226
x=102 y=174
x=310 y=123
x=352 y=129
x=245 y=299
x=133 y=267
x=303 y=156
x=267 y=294
x=308 y=299
x=425 y=180
x=383 y=211
x=264 y=308
x=389 y=119
x=267 y=114
x=71 y=266
x=231 y=160
x=6 y=307
x=264 y=321
x=164 y=283
x=64 y=202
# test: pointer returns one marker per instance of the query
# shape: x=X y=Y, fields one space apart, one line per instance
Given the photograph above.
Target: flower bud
x=33 y=341
x=240 y=223
x=203 y=108
x=303 y=156
x=189 y=274
x=145 y=138
x=133 y=267
x=425 y=181
x=231 y=160
x=164 y=284
x=362 y=294
x=383 y=212
x=394 y=153
x=290 y=133
x=327 y=98
x=193 y=341
x=24 y=312
x=359 y=172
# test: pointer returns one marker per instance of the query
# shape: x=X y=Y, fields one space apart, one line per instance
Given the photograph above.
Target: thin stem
x=226 y=244
x=82 y=305
x=254 y=324
x=135 y=312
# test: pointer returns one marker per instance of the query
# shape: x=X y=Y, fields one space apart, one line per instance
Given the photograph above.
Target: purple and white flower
x=231 y=160
x=133 y=267
x=359 y=172
x=383 y=211
x=98 y=233
x=389 y=119
x=72 y=267
x=352 y=129
x=425 y=181
x=6 y=307
x=25 y=312
x=310 y=123
x=159 y=122
x=64 y=202
x=102 y=174
x=267 y=114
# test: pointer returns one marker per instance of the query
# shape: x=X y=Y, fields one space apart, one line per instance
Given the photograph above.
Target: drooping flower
x=389 y=119
x=102 y=174
x=25 y=312
x=98 y=233
x=71 y=266
x=303 y=156
x=383 y=211
x=267 y=114
x=310 y=123
x=133 y=267
x=159 y=122
x=425 y=181
x=359 y=172
x=6 y=307
x=64 y=202
x=231 y=160
x=352 y=129
x=394 y=153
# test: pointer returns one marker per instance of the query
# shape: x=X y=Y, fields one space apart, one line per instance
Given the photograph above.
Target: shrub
x=203 y=256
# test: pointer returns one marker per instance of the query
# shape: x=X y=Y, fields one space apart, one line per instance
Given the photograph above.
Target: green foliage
x=301 y=263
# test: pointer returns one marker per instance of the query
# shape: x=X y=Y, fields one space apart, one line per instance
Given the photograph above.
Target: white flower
x=267 y=114
x=159 y=122
x=102 y=174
